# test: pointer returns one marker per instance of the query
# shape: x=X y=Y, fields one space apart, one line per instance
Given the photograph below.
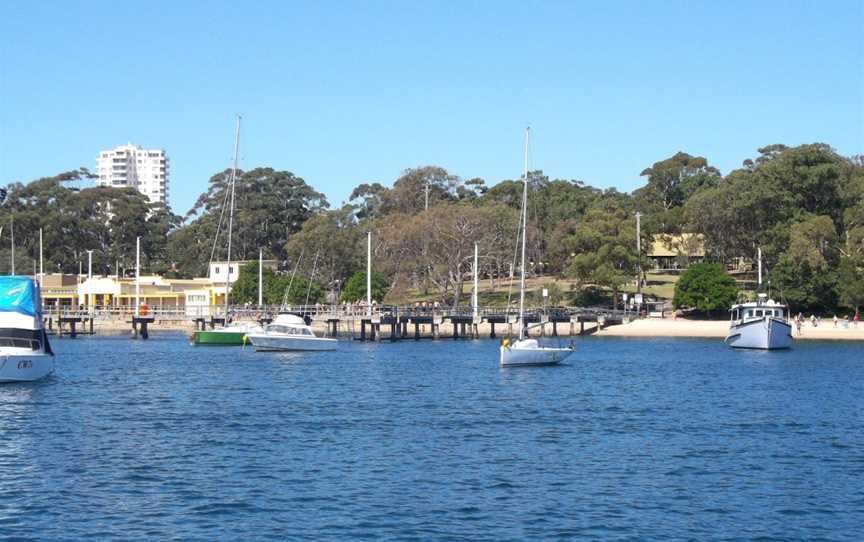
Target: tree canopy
x=355 y=287
x=802 y=206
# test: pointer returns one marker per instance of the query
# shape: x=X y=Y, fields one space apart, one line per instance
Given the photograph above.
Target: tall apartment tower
x=130 y=165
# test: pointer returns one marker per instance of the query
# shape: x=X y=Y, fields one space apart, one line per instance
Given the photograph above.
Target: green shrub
x=705 y=287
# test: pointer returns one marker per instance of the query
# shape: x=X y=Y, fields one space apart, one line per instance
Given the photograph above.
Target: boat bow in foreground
x=25 y=354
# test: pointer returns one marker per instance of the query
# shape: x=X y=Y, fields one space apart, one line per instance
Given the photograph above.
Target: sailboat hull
x=25 y=368
x=513 y=356
x=218 y=338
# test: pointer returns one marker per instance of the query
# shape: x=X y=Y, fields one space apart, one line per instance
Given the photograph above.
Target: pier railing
x=338 y=312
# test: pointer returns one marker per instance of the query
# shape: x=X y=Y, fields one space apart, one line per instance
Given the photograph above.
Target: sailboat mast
x=260 y=277
x=137 y=276
x=524 y=237
x=12 y=236
x=759 y=260
x=41 y=274
x=231 y=214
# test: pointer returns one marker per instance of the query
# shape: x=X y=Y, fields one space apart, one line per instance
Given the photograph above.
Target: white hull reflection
x=287 y=343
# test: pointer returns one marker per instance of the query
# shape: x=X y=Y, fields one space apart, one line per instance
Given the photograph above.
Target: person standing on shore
x=835 y=320
x=798 y=321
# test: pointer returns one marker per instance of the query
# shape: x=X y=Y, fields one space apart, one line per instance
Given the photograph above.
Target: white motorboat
x=526 y=351
x=289 y=332
x=25 y=354
x=762 y=324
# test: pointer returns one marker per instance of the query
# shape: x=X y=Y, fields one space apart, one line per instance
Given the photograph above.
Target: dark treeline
x=803 y=206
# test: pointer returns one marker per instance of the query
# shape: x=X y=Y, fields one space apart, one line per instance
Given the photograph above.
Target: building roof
x=244 y=262
x=669 y=246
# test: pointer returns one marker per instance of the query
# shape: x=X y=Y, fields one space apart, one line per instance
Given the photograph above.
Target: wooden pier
x=390 y=323
x=427 y=324
x=69 y=324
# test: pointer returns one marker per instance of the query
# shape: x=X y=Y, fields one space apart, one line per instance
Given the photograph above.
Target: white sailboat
x=526 y=351
x=231 y=334
x=25 y=354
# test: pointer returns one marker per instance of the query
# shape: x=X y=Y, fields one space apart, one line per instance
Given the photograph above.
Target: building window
x=216 y=270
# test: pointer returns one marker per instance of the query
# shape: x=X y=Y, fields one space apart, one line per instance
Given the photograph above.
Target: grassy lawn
x=657 y=285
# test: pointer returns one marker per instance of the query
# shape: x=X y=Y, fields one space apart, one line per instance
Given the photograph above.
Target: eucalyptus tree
x=337 y=240
x=104 y=220
x=419 y=188
x=270 y=206
x=603 y=247
x=434 y=250
x=670 y=183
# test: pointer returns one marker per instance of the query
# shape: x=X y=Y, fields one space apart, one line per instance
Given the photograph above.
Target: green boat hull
x=219 y=338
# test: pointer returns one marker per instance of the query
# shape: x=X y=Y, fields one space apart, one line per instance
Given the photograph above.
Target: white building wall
x=146 y=170
x=219 y=272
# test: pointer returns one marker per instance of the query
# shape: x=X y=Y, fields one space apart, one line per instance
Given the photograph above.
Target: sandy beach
x=680 y=327
x=649 y=327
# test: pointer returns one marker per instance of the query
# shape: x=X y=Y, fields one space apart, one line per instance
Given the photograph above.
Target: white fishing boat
x=289 y=332
x=526 y=351
x=25 y=354
x=763 y=324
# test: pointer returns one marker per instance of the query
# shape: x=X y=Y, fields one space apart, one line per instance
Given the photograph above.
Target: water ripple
x=631 y=440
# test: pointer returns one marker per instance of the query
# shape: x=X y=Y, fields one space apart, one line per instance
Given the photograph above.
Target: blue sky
x=342 y=93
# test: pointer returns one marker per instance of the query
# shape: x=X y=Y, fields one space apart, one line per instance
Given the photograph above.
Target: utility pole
x=137 y=275
x=474 y=300
x=638 y=252
x=88 y=297
x=426 y=190
x=261 y=278
x=369 y=273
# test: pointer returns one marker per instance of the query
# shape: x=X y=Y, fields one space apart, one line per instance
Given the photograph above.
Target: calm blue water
x=633 y=439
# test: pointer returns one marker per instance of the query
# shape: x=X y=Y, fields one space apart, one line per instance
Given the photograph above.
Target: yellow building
x=71 y=291
x=676 y=251
x=198 y=296
x=59 y=290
